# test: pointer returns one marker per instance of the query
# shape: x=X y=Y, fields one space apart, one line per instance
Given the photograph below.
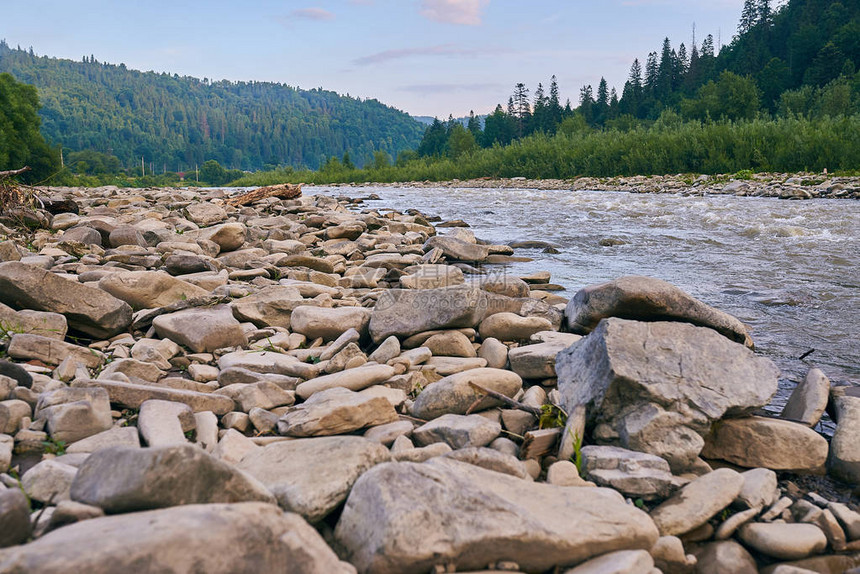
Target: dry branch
x=282 y=191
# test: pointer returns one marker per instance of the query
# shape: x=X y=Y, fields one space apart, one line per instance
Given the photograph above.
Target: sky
x=425 y=57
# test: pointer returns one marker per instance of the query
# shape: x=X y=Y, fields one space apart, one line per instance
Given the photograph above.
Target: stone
x=16 y=372
x=69 y=512
x=12 y=412
x=536 y=525
x=759 y=490
x=313 y=476
x=72 y=414
x=87 y=309
x=212 y=538
x=564 y=473
x=201 y=330
x=491 y=460
x=335 y=411
x=849 y=519
x=7 y=444
x=51 y=325
x=502 y=284
x=117 y=436
x=126 y=235
x=49 y=481
x=233 y=447
x=457 y=250
x=726 y=557
x=431 y=277
x=451 y=344
x=656 y=387
x=697 y=502
x=647 y=299
x=349 y=339
x=496 y=353
x=14 y=517
x=352 y=379
x=454 y=394
x=386 y=434
x=535 y=361
x=387 y=350
x=205 y=214
x=149 y=289
x=620 y=562
x=769 y=443
x=512 y=327
x=164 y=423
x=328 y=323
x=808 y=399
x=445 y=366
x=844 y=458
x=183 y=264
x=457 y=431
x=228 y=236
x=270 y=307
x=405 y=312
x=51 y=351
x=670 y=557
x=634 y=474
x=267 y=363
x=784 y=541
x=119 y=479
x=132 y=396
x=729 y=526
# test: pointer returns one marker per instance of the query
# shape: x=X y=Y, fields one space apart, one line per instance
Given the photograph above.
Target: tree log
x=282 y=191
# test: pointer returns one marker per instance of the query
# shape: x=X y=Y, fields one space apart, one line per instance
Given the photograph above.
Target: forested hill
x=175 y=122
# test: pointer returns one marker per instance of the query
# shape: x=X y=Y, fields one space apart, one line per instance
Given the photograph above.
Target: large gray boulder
x=269 y=307
x=647 y=299
x=87 y=309
x=634 y=474
x=122 y=479
x=657 y=387
x=73 y=414
x=201 y=330
x=808 y=400
x=51 y=325
x=844 y=457
x=405 y=312
x=406 y=517
x=14 y=517
x=313 y=476
x=149 y=289
x=336 y=411
x=457 y=249
x=455 y=394
x=211 y=538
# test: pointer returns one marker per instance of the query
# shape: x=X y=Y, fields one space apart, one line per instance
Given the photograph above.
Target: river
x=790 y=270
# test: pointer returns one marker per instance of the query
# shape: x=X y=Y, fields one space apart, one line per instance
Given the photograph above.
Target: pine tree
x=749 y=17
x=555 y=110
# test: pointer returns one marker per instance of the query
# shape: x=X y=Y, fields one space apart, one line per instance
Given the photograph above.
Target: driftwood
x=14 y=172
x=537 y=443
x=282 y=191
x=505 y=399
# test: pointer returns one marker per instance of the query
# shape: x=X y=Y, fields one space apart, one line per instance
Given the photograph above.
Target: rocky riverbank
x=777 y=185
x=315 y=385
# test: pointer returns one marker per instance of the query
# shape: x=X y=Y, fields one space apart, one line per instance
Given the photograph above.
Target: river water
x=790 y=270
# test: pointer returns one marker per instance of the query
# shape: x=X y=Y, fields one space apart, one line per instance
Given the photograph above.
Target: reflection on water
x=789 y=269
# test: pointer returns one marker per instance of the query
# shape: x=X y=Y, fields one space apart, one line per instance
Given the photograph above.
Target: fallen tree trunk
x=14 y=172
x=282 y=191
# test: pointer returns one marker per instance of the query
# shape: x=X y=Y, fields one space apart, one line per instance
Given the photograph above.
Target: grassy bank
x=667 y=146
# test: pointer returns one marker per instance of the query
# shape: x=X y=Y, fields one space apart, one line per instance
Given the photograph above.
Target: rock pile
x=312 y=385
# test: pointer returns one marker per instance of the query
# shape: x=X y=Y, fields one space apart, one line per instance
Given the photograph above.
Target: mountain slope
x=175 y=122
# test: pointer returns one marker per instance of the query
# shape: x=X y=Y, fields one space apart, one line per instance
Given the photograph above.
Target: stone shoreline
x=314 y=385
x=782 y=186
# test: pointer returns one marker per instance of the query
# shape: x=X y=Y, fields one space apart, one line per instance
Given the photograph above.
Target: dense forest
x=173 y=123
x=797 y=59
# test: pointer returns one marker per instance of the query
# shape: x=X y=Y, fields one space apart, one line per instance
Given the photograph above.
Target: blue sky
x=426 y=57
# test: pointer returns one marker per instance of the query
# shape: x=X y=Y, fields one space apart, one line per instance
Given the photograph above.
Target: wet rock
x=119 y=479
x=328 y=323
x=697 y=502
x=86 y=309
x=201 y=330
x=149 y=289
x=535 y=525
x=647 y=299
x=634 y=474
x=336 y=411
x=808 y=400
x=784 y=541
x=629 y=375
x=458 y=431
x=405 y=312
x=313 y=476
x=72 y=414
x=769 y=443
x=15 y=517
x=212 y=538
x=455 y=394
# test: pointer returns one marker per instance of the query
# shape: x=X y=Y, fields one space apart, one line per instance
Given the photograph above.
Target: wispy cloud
x=463 y=12
x=318 y=14
x=443 y=50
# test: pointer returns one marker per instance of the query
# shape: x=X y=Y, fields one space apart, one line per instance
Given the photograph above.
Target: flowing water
x=790 y=270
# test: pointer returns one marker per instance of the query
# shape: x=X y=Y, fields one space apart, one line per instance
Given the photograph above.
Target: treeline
x=669 y=145
x=797 y=60
x=21 y=143
x=176 y=123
